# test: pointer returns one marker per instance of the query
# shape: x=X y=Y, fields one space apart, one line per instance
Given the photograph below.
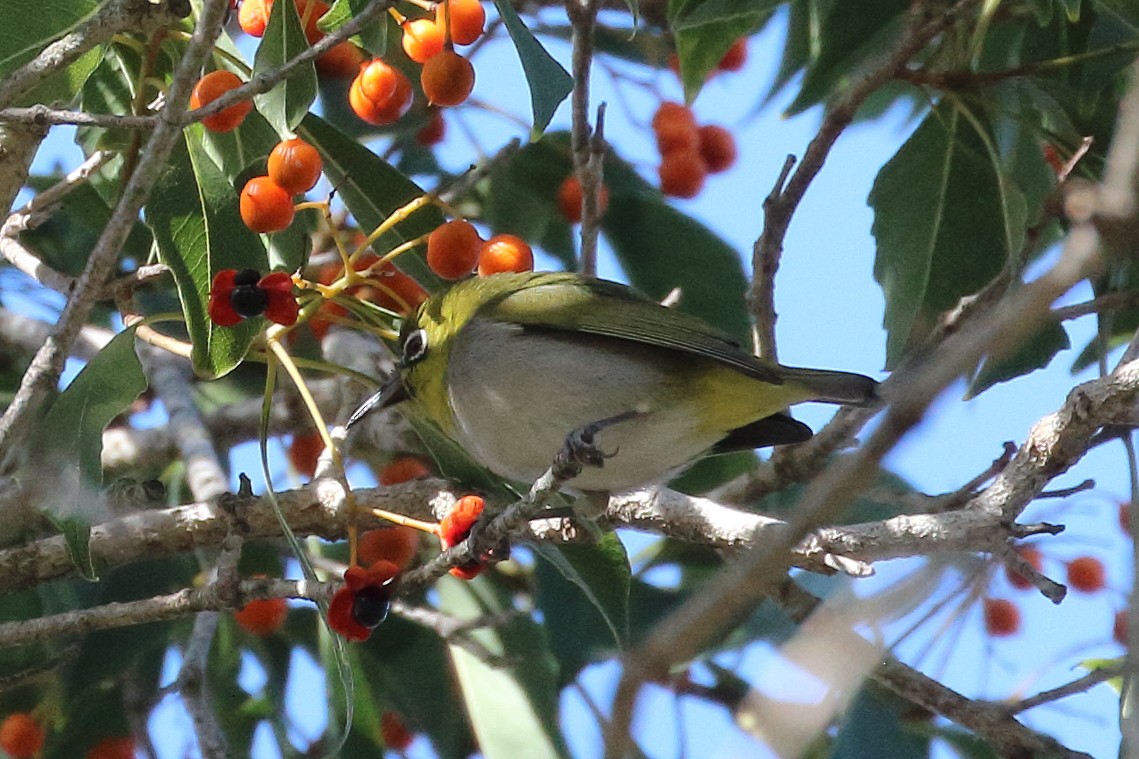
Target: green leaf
x=102 y=390
x=512 y=703
x=946 y=222
x=850 y=35
x=583 y=594
x=193 y=215
x=63 y=85
x=287 y=103
x=373 y=37
x=549 y=82
x=25 y=32
x=660 y=248
x=876 y=724
x=705 y=29
x=372 y=189
x=1035 y=352
x=76 y=531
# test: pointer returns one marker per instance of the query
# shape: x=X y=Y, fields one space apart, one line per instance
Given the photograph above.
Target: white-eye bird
x=511 y=366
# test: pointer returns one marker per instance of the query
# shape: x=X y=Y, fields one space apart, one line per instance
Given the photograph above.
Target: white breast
x=516 y=394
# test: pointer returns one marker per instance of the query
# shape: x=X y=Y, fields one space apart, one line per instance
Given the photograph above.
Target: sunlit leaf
x=549 y=82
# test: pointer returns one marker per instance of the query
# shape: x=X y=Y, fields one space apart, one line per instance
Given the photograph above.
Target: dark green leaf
x=660 y=248
x=583 y=594
x=287 y=103
x=102 y=390
x=946 y=221
x=1036 y=352
x=373 y=190
x=193 y=215
x=76 y=531
x=705 y=29
x=850 y=35
x=63 y=85
x=238 y=150
x=522 y=716
x=24 y=34
x=373 y=37
x=876 y=725
x=549 y=82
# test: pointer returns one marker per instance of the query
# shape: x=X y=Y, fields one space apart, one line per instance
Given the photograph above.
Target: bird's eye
x=414 y=347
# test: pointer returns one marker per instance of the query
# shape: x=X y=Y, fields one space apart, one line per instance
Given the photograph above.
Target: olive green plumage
x=509 y=365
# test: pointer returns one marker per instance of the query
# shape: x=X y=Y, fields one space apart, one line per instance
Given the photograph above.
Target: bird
x=521 y=368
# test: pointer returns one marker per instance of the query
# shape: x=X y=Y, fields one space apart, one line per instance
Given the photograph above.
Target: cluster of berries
x=689 y=152
x=1085 y=574
x=22 y=736
x=455 y=249
x=341 y=61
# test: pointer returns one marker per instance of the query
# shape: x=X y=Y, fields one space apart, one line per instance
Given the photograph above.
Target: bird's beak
x=391 y=393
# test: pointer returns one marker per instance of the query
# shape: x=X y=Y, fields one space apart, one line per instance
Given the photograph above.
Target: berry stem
x=431 y=528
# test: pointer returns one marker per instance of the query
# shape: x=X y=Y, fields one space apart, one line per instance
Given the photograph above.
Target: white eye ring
x=414 y=347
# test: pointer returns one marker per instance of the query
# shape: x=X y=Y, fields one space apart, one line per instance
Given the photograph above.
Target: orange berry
x=295 y=165
x=263 y=616
x=1086 y=574
x=503 y=253
x=675 y=128
x=265 y=205
x=456 y=527
x=387 y=112
x=682 y=173
x=717 y=148
x=342 y=61
x=570 y=198
x=736 y=56
x=378 y=81
x=253 y=16
x=113 y=748
x=1002 y=618
x=1052 y=157
x=404 y=469
x=422 y=39
x=211 y=87
x=467 y=18
x=399 y=292
x=1119 y=627
x=674 y=63
x=312 y=32
x=1125 y=518
x=432 y=132
x=396 y=544
x=306 y=448
x=453 y=249
x=21 y=736
x=1033 y=557
x=394 y=732
x=447 y=78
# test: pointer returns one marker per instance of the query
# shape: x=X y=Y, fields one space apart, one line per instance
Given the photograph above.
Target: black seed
x=370 y=606
x=248 y=300
x=246 y=277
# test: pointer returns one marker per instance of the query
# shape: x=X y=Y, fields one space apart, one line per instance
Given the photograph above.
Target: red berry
x=396 y=544
x=682 y=173
x=675 y=128
x=253 y=16
x=394 y=732
x=304 y=450
x=1119 y=627
x=736 y=56
x=453 y=249
x=211 y=87
x=1086 y=574
x=570 y=198
x=422 y=39
x=717 y=148
x=263 y=616
x=265 y=205
x=378 y=80
x=447 y=78
x=1052 y=157
x=433 y=131
x=456 y=527
x=1033 y=557
x=1125 y=518
x=397 y=292
x=467 y=19
x=21 y=736
x=318 y=9
x=1002 y=618
x=295 y=165
x=381 y=113
x=404 y=469
x=503 y=253
x=113 y=748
